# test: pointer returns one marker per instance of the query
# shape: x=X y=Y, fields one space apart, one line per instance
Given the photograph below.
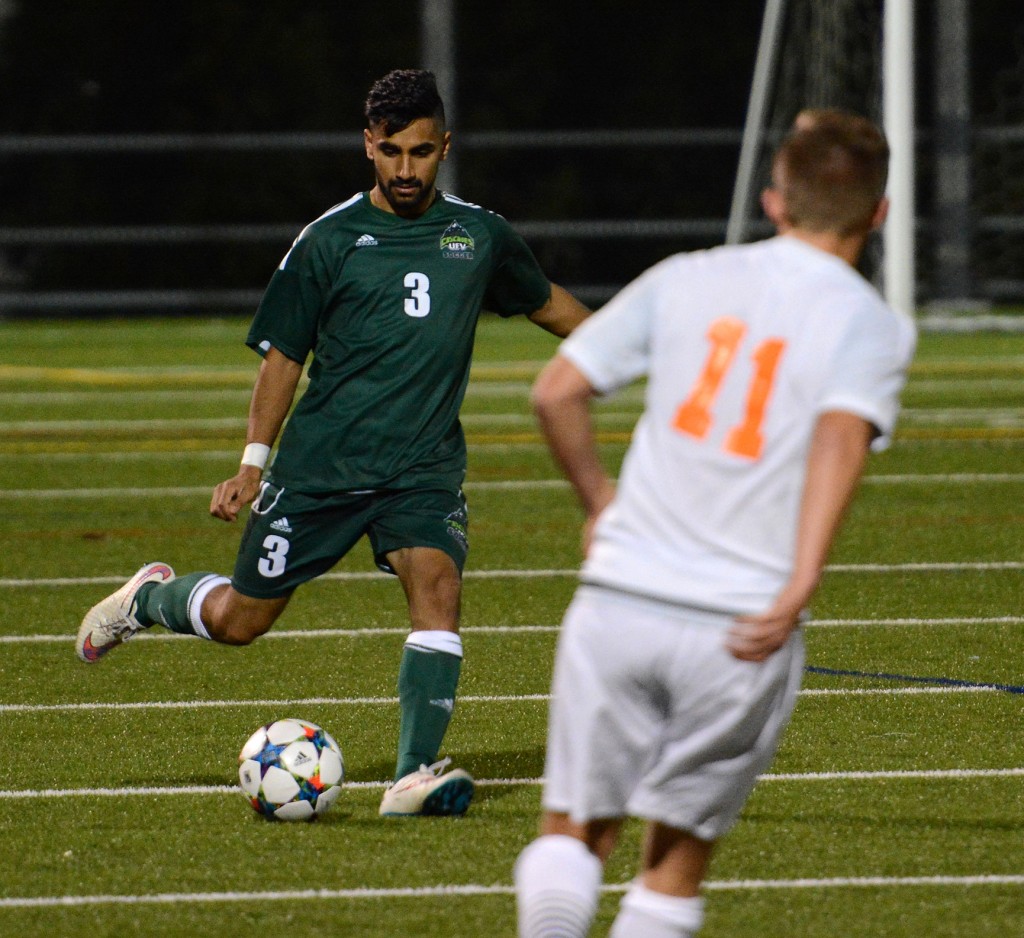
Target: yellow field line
x=120 y=378
x=115 y=377
x=961 y=433
x=197 y=444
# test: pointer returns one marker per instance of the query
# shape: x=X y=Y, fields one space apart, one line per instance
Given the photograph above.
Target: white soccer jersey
x=744 y=347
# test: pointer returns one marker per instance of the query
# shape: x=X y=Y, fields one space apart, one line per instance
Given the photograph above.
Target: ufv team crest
x=457 y=242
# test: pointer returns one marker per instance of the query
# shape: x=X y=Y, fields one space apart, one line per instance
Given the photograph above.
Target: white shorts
x=653 y=718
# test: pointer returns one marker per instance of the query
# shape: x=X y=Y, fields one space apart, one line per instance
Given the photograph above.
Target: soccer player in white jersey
x=772 y=369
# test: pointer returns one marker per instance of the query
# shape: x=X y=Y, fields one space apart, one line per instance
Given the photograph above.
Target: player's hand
x=758 y=637
x=229 y=497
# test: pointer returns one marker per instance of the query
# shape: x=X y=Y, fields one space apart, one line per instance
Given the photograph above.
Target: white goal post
x=895 y=66
x=898 y=119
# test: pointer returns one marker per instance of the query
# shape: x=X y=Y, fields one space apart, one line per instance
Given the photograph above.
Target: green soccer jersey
x=388 y=306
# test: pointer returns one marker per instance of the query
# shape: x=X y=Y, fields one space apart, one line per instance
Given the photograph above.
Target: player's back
x=744 y=348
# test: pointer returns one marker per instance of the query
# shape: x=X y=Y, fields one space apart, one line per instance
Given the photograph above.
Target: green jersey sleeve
x=518 y=286
x=289 y=313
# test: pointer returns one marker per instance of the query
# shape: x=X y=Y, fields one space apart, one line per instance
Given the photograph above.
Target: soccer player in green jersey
x=383 y=292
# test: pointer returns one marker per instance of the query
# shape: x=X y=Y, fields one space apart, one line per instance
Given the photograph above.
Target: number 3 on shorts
x=276 y=560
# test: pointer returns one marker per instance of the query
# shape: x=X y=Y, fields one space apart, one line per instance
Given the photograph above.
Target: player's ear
x=368 y=143
x=774 y=205
x=881 y=213
x=446 y=142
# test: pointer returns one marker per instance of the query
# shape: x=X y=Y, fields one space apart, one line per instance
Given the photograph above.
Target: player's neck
x=378 y=200
x=846 y=247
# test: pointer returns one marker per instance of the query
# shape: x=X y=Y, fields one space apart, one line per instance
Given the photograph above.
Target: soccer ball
x=291 y=770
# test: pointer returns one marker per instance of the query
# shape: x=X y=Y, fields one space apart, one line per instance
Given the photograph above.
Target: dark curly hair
x=402 y=96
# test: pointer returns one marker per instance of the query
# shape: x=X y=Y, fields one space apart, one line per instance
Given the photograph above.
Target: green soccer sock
x=427 y=681
x=176 y=604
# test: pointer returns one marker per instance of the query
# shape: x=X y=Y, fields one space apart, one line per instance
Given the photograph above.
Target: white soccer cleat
x=112 y=621
x=429 y=792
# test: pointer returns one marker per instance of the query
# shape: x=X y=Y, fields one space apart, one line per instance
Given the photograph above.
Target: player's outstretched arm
x=839 y=448
x=561 y=313
x=561 y=400
x=272 y=397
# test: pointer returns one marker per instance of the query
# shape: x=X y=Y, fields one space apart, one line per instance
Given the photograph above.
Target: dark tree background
x=226 y=66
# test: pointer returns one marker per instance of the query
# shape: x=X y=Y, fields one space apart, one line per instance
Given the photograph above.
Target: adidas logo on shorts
x=281 y=525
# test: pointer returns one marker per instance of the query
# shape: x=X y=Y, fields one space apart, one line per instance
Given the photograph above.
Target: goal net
x=811 y=55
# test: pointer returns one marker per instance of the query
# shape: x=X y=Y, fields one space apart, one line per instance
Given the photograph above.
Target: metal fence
x=998 y=223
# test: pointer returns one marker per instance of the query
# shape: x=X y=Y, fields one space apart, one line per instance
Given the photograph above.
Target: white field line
x=185 y=424
x=477 y=388
x=25 y=794
x=481 y=370
x=968 y=442
x=98 y=706
x=513 y=446
x=206 y=490
x=164 y=636
x=288 y=702
x=961 y=365
x=919 y=478
x=470 y=890
x=92 y=396
x=345 y=576
x=992 y=416
x=177 y=454
x=603 y=416
x=982 y=566
x=953 y=478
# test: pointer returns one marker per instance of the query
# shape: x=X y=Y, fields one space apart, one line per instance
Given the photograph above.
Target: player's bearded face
x=406 y=163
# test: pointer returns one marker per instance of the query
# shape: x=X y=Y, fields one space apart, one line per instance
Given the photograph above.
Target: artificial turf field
x=894 y=807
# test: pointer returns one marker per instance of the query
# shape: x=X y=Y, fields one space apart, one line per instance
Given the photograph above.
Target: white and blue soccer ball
x=291 y=770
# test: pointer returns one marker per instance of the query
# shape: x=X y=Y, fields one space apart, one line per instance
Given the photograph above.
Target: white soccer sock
x=557 y=880
x=645 y=913
x=195 y=602
x=435 y=640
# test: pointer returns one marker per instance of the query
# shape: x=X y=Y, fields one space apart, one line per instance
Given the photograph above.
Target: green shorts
x=290 y=538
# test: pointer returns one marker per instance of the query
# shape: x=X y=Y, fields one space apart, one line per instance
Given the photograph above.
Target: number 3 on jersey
x=694 y=416
x=417 y=303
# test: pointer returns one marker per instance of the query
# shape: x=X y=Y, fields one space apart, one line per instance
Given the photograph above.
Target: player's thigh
x=428 y=517
x=606 y=715
x=432 y=584
x=290 y=538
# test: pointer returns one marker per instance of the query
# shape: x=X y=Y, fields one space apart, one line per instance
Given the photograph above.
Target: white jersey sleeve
x=612 y=348
x=868 y=368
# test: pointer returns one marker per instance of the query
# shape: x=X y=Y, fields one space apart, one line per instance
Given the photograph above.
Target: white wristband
x=255 y=454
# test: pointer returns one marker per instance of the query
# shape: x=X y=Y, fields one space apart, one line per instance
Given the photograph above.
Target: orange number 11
x=694 y=415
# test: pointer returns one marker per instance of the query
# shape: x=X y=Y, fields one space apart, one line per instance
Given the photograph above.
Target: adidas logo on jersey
x=281 y=525
x=366 y=241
